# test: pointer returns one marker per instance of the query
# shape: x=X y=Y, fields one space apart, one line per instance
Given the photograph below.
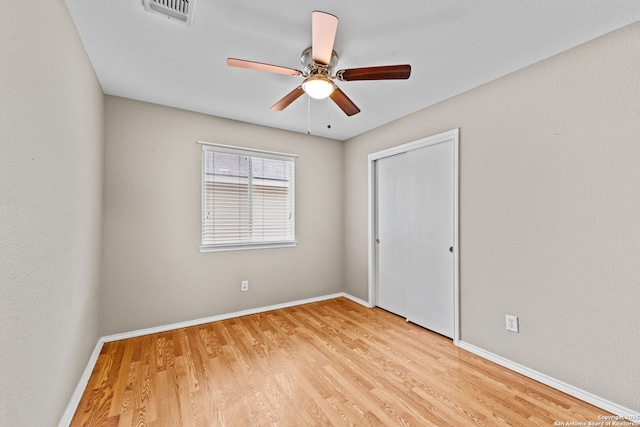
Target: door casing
x=452 y=135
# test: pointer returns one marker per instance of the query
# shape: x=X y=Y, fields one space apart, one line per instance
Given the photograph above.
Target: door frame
x=452 y=135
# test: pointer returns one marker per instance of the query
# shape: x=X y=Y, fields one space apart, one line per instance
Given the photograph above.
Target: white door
x=393 y=253
x=415 y=228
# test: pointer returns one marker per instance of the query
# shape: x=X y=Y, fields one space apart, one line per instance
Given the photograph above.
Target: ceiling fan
x=318 y=63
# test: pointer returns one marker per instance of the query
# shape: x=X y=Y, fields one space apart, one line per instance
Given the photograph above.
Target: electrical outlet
x=244 y=286
x=512 y=323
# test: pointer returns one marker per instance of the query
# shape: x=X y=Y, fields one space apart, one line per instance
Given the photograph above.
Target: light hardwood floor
x=330 y=363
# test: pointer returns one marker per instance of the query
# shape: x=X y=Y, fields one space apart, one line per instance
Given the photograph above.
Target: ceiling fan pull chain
x=328 y=114
x=308 y=115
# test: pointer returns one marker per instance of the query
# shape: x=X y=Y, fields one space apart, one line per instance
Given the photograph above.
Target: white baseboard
x=355 y=299
x=585 y=396
x=189 y=323
x=84 y=380
x=82 y=384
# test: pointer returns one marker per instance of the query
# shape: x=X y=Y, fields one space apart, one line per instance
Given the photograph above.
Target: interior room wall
x=51 y=168
x=153 y=272
x=549 y=213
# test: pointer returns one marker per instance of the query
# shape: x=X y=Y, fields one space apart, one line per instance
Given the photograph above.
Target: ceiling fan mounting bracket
x=311 y=67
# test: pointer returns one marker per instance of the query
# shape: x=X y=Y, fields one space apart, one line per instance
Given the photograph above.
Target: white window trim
x=244 y=246
x=261 y=153
x=241 y=150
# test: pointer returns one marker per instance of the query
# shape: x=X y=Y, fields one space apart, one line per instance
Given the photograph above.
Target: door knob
x=451 y=249
x=378 y=241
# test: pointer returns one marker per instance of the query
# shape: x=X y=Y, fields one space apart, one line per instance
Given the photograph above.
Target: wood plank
x=327 y=363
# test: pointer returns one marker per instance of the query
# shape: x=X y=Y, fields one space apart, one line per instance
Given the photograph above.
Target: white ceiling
x=452 y=45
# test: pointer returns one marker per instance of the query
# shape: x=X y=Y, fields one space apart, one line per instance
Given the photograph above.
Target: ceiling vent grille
x=180 y=10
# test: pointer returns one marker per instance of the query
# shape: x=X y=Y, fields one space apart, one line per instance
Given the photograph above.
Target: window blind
x=247 y=198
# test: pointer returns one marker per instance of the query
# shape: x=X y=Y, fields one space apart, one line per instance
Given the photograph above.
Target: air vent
x=180 y=10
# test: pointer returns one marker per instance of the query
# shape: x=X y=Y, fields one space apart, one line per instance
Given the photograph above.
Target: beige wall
x=51 y=127
x=549 y=213
x=153 y=272
x=550 y=207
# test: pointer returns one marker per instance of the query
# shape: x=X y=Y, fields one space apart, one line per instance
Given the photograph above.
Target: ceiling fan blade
x=344 y=102
x=387 y=72
x=288 y=99
x=323 y=34
x=252 y=65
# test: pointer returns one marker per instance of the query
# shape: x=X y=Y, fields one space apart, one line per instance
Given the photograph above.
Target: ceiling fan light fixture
x=318 y=87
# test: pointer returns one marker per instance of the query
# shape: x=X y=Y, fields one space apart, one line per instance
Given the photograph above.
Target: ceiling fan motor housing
x=310 y=67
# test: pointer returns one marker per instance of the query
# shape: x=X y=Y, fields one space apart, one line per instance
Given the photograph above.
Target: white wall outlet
x=512 y=323
x=244 y=286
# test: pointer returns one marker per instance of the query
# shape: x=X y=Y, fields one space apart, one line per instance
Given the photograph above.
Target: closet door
x=414 y=228
x=393 y=260
x=430 y=219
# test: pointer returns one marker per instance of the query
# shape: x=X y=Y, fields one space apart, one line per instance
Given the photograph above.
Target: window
x=247 y=199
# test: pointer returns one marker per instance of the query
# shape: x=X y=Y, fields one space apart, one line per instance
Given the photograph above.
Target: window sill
x=245 y=246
